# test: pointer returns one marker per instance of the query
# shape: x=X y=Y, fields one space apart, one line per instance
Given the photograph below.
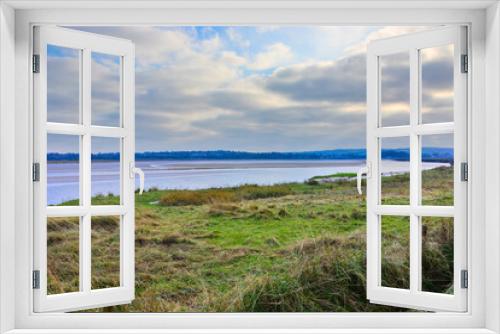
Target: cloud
x=383 y=32
x=274 y=55
x=105 y=90
x=395 y=83
x=340 y=37
x=63 y=89
x=157 y=46
x=202 y=93
x=335 y=81
x=236 y=38
x=211 y=45
x=437 y=68
x=231 y=58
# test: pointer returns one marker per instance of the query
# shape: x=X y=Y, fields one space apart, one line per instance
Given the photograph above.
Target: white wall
x=493 y=167
x=7 y=152
x=7 y=167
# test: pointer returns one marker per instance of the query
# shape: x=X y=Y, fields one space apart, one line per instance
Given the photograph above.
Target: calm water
x=63 y=180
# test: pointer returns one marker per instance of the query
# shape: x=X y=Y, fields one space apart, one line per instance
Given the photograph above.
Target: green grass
x=320 y=177
x=285 y=248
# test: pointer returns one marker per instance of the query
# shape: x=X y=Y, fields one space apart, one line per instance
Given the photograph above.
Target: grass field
x=284 y=248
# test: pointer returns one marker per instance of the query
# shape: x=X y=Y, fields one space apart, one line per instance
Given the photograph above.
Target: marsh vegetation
x=297 y=247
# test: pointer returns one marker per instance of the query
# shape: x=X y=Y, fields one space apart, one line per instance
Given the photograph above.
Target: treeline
x=429 y=154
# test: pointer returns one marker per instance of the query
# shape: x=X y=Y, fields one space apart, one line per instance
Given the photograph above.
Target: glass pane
x=437 y=169
x=105 y=252
x=63 y=84
x=106 y=166
x=395 y=89
x=106 y=89
x=63 y=169
x=395 y=253
x=63 y=249
x=394 y=169
x=437 y=84
x=437 y=254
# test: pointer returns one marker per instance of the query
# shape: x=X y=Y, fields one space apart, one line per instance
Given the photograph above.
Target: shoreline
x=159 y=165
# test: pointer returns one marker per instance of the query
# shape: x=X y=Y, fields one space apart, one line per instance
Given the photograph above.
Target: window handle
x=135 y=170
x=363 y=170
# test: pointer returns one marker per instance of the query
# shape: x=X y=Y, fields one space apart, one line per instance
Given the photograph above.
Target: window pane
x=106 y=166
x=105 y=89
x=437 y=84
x=395 y=89
x=105 y=252
x=63 y=249
x=437 y=169
x=437 y=254
x=63 y=84
x=395 y=251
x=394 y=169
x=63 y=169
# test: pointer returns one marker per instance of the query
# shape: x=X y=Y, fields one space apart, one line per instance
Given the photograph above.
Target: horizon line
x=255 y=152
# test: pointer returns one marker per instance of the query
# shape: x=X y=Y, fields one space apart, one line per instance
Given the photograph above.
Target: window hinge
x=465 y=64
x=464 y=284
x=464 y=171
x=36 y=279
x=36 y=63
x=36 y=172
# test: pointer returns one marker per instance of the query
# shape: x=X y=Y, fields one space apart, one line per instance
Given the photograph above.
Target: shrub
x=223 y=195
x=198 y=197
x=249 y=192
x=312 y=182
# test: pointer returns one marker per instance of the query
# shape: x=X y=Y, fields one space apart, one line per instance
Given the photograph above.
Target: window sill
x=254 y=331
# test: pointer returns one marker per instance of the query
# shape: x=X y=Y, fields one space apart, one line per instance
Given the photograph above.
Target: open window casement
x=61 y=56
x=415 y=61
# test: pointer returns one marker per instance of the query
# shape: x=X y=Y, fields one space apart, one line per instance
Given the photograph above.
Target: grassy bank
x=290 y=247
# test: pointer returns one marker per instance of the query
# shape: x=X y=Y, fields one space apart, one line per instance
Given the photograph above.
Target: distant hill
x=429 y=154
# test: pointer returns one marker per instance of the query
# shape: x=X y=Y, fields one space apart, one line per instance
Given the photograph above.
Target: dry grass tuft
x=223 y=195
x=192 y=197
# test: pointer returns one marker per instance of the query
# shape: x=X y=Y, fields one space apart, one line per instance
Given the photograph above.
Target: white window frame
x=86 y=43
x=16 y=213
x=411 y=44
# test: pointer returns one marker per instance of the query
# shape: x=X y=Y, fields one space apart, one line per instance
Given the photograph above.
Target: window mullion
x=85 y=231
x=127 y=241
x=414 y=173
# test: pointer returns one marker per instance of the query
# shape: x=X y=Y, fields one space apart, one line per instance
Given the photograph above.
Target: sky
x=266 y=88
